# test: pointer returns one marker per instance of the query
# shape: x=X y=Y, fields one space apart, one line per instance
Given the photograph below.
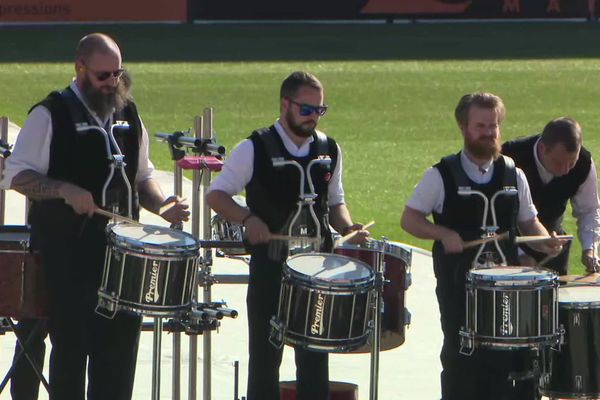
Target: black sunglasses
x=104 y=75
x=307 y=109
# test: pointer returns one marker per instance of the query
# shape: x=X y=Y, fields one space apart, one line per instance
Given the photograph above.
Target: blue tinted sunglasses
x=307 y=109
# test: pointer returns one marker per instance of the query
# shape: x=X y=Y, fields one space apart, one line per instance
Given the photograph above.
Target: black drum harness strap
x=509 y=188
x=306 y=201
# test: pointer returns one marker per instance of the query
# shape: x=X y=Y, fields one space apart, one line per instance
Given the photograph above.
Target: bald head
x=95 y=43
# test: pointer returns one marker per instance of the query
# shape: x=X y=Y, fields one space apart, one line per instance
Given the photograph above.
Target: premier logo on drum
x=317 y=326
x=152 y=295
x=506 y=328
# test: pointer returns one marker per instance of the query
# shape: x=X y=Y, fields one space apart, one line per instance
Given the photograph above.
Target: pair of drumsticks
x=518 y=239
x=273 y=236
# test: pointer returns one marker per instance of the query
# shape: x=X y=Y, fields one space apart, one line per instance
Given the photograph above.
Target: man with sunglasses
x=272 y=195
x=60 y=163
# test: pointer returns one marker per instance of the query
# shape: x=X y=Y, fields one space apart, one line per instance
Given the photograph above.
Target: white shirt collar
x=545 y=176
x=478 y=174
x=80 y=96
x=290 y=146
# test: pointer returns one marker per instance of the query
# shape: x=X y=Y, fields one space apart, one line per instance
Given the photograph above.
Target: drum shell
x=337 y=391
x=22 y=281
x=324 y=316
x=397 y=260
x=509 y=314
x=574 y=371
x=148 y=280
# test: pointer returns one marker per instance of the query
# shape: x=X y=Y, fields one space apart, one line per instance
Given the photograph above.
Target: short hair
x=95 y=43
x=562 y=130
x=479 y=99
x=297 y=79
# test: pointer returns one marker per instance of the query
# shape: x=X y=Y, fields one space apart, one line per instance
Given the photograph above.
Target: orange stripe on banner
x=413 y=7
x=92 y=10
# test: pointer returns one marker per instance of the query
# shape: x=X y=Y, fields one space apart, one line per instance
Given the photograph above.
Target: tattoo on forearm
x=36 y=186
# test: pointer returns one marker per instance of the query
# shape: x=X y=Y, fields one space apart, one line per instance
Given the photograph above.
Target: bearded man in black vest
x=456 y=219
x=63 y=169
x=272 y=197
x=559 y=169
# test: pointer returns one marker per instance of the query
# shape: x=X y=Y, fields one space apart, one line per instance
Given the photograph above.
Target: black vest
x=273 y=192
x=464 y=214
x=550 y=199
x=81 y=157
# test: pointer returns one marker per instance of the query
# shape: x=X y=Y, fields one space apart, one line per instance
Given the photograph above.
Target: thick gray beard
x=106 y=104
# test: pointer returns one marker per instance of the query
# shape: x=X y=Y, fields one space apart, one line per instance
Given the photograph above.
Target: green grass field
x=392 y=88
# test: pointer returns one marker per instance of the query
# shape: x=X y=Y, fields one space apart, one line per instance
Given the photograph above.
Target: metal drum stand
x=207 y=161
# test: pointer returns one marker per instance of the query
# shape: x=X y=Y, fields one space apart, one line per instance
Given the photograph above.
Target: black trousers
x=312 y=373
x=80 y=338
x=24 y=383
x=484 y=374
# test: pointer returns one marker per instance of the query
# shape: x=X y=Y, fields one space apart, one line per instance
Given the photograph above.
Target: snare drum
x=324 y=303
x=511 y=307
x=149 y=270
x=397 y=261
x=22 y=286
x=575 y=369
x=226 y=231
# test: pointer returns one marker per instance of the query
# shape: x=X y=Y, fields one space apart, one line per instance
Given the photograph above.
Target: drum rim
x=144 y=309
x=155 y=253
x=548 y=275
x=296 y=340
x=389 y=248
x=363 y=281
x=120 y=241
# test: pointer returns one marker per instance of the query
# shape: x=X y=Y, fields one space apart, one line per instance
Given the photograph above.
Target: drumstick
x=590 y=278
x=473 y=243
x=287 y=238
x=170 y=205
x=528 y=239
x=353 y=233
x=117 y=217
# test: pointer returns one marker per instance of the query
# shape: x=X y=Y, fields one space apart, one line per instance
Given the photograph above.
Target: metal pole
x=176 y=367
x=376 y=332
x=4 y=139
x=193 y=352
x=206 y=131
x=236 y=377
x=156 y=359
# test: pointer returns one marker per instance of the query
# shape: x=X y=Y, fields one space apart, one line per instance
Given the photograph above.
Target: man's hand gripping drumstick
x=355 y=234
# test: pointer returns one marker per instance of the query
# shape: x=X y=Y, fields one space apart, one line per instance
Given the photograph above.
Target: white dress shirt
x=585 y=204
x=32 y=148
x=429 y=194
x=239 y=167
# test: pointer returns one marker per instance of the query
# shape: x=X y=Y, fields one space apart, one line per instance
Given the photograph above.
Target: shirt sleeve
x=32 y=148
x=586 y=210
x=145 y=166
x=429 y=194
x=237 y=170
x=335 y=189
x=527 y=209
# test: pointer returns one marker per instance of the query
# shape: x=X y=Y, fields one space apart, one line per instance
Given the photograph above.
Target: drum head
x=148 y=237
x=516 y=274
x=578 y=296
x=329 y=268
